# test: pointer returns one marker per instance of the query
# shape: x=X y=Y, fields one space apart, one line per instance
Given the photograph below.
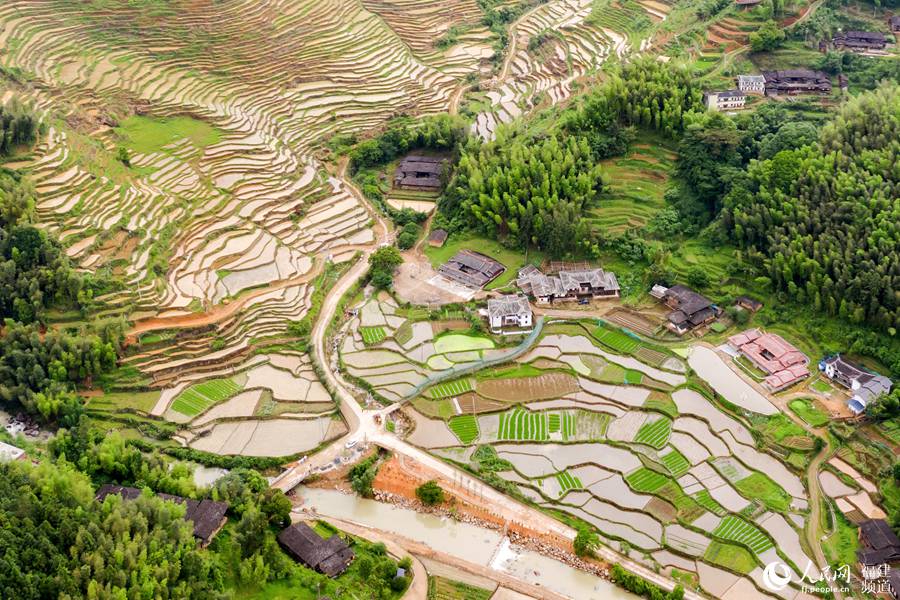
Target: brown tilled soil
x=526 y=389
x=662 y=510
x=474 y=404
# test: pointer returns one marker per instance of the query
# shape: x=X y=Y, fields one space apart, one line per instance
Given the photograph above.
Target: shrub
x=430 y=493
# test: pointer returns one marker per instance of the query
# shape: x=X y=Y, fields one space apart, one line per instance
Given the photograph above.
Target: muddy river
x=465 y=541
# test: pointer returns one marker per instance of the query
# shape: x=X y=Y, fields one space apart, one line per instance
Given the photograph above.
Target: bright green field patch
x=663 y=404
x=704 y=499
x=821 y=386
x=633 y=377
x=197 y=398
x=734 y=558
x=568 y=482
x=372 y=335
x=645 y=480
x=554 y=423
x=807 y=411
x=758 y=486
x=569 y=428
x=465 y=427
x=654 y=434
x=459 y=342
x=676 y=463
x=616 y=340
x=519 y=424
x=144 y=135
x=736 y=529
x=450 y=389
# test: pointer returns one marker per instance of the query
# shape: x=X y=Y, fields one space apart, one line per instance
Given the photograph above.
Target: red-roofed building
x=782 y=362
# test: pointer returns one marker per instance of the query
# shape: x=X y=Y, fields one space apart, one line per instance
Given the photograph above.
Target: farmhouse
x=860 y=40
x=879 y=544
x=330 y=557
x=472 y=269
x=510 y=311
x=567 y=284
x=9 y=453
x=782 y=362
x=752 y=84
x=796 y=81
x=747 y=3
x=207 y=516
x=866 y=387
x=728 y=100
x=894 y=23
x=689 y=309
x=748 y=303
x=419 y=173
x=437 y=238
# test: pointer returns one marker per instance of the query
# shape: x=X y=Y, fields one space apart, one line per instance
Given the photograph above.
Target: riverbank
x=479 y=547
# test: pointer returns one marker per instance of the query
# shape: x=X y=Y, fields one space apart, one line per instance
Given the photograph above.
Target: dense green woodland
x=40 y=368
x=18 y=127
x=533 y=189
x=826 y=217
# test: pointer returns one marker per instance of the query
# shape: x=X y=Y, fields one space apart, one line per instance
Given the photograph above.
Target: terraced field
x=649 y=462
x=183 y=156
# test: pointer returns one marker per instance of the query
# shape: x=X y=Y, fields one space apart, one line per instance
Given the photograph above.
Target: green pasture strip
x=663 y=404
x=198 y=397
x=758 y=486
x=704 y=499
x=567 y=482
x=373 y=335
x=734 y=558
x=450 y=389
x=615 y=339
x=806 y=410
x=645 y=480
x=676 y=463
x=519 y=424
x=737 y=530
x=568 y=426
x=465 y=427
x=554 y=423
x=654 y=434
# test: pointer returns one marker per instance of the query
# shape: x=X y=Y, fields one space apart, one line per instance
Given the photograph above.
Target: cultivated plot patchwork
x=650 y=461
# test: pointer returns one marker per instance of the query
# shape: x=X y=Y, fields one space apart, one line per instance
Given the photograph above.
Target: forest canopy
x=826 y=218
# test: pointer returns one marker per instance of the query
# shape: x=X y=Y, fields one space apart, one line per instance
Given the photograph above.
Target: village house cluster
x=864 y=386
x=783 y=364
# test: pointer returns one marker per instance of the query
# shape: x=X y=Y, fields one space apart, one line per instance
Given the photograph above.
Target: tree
x=430 y=493
x=584 y=542
x=768 y=37
x=698 y=277
x=382 y=264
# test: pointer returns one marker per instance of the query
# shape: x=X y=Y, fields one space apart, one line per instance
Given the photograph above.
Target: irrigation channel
x=455 y=372
x=466 y=542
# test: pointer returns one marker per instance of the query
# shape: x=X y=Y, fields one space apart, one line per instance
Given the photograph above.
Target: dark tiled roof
x=688 y=300
x=438 y=236
x=878 y=535
x=748 y=301
x=206 y=515
x=330 y=556
x=128 y=493
x=869 y=36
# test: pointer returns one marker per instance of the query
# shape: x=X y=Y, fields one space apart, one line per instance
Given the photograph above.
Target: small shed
x=437 y=238
x=748 y=303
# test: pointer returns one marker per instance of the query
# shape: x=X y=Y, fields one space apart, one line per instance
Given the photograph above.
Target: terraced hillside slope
x=181 y=154
x=596 y=424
